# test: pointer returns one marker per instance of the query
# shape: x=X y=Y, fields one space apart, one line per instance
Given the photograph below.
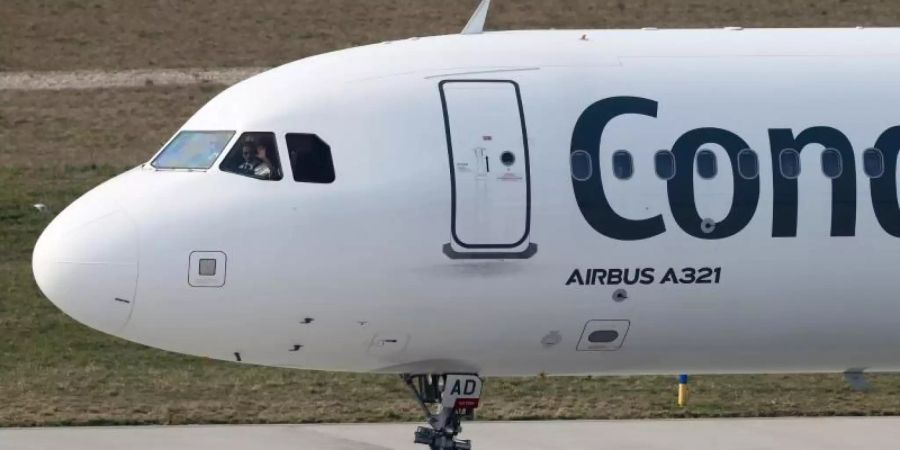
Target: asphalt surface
x=99 y=79
x=733 y=434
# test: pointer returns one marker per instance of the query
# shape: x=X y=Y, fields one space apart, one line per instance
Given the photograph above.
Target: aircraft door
x=489 y=167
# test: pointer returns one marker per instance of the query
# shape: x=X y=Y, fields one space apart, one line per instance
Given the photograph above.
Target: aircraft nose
x=86 y=263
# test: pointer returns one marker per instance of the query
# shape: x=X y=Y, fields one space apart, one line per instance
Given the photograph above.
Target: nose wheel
x=445 y=401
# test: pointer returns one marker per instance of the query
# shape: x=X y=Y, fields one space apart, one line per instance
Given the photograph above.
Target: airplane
x=515 y=203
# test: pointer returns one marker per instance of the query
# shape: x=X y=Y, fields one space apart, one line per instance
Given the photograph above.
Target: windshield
x=193 y=150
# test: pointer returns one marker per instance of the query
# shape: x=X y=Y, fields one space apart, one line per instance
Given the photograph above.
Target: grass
x=119 y=127
x=112 y=34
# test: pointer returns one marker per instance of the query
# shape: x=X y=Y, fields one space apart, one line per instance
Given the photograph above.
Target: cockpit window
x=195 y=150
x=254 y=155
x=310 y=158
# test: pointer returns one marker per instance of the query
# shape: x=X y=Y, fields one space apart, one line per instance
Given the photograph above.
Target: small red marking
x=466 y=403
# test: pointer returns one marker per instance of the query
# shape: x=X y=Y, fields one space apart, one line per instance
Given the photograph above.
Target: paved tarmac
x=102 y=79
x=731 y=434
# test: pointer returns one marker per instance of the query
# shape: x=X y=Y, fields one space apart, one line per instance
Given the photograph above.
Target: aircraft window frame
x=320 y=155
x=880 y=155
x=588 y=164
x=656 y=165
x=741 y=154
x=781 y=165
x=211 y=156
x=838 y=160
x=629 y=164
x=265 y=139
x=715 y=164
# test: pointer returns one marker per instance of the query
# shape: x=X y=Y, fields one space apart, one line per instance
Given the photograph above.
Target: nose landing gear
x=445 y=401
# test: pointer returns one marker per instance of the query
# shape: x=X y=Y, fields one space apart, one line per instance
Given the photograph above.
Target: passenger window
x=748 y=164
x=254 y=155
x=623 y=166
x=310 y=158
x=832 y=165
x=706 y=164
x=789 y=163
x=873 y=163
x=581 y=165
x=664 y=161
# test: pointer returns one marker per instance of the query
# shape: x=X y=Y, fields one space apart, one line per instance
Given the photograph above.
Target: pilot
x=247 y=152
x=264 y=169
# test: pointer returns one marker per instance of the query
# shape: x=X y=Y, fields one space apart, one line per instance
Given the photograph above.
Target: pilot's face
x=247 y=153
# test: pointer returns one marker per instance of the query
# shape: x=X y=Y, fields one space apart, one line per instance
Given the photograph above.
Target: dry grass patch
x=120 y=127
x=113 y=34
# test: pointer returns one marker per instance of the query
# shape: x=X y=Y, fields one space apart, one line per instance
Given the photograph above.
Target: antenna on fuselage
x=476 y=22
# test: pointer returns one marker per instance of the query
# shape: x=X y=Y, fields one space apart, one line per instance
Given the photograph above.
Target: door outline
x=525 y=235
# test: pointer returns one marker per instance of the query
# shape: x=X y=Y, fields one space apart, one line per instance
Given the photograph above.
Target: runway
x=732 y=434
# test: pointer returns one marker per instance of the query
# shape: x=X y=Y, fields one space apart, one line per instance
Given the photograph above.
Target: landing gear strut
x=445 y=400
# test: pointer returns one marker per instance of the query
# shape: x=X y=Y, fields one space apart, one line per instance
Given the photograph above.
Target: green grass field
x=54 y=146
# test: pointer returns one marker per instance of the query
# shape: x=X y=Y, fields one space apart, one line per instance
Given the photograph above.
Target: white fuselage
x=377 y=272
